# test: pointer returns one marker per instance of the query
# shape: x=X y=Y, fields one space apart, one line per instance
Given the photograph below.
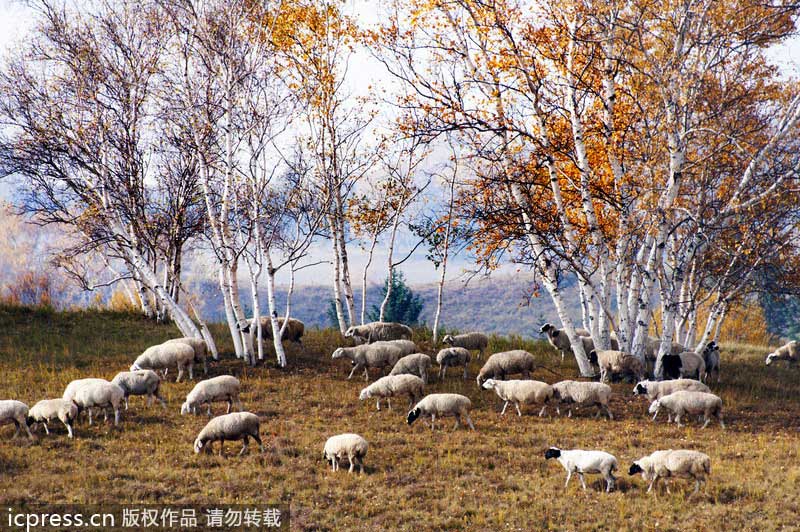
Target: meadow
x=495 y=478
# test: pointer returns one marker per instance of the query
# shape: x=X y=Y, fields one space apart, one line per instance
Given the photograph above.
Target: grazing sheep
x=199 y=346
x=789 y=352
x=391 y=385
x=558 y=338
x=473 y=341
x=416 y=364
x=50 y=409
x=452 y=356
x=579 y=393
x=74 y=386
x=217 y=389
x=673 y=463
x=353 y=446
x=442 y=404
x=499 y=365
x=711 y=359
x=658 y=389
x=229 y=427
x=692 y=403
x=100 y=395
x=143 y=382
x=406 y=347
x=521 y=392
x=168 y=354
x=685 y=365
x=15 y=412
x=293 y=333
x=581 y=462
x=377 y=355
x=616 y=362
x=378 y=330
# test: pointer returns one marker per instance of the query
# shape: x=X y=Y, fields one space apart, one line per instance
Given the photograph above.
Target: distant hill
x=494 y=304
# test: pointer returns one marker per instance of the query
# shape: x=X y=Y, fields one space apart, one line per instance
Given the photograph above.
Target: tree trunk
x=337 y=272
x=230 y=317
x=273 y=314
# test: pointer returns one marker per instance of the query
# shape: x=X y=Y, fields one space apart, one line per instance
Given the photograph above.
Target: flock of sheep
x=388 y=346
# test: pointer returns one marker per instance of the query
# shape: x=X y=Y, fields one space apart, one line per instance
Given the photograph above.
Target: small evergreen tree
x=403 y=307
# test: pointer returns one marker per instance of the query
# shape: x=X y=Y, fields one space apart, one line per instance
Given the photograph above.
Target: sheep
x=616 y=362
x=673 y=463
x=293 y=333
x=143 y=382
x=442 y=404
x=74 y=386
x=473 y=341
x=580 y=393
x=415 y=364
x=233 y=427
x=499 y=365
x=558 y=338
x=519 y=391
x=711 y=359
x=163 y=356
x=199 y=346
x=452 y=356
x=222 y=388
x=789 y=352
x=686 y=364
x=377 y=355
x=15 y=412
x=658 y=389
x=51 y=409
x=581 y=462
x=353 y=446
x=391 y=385
x=406 y=347
x=692 y=403
x=100 y=394
x=377 y=331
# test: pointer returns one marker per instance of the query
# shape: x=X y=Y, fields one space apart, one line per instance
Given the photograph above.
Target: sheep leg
x=696 y=486
x=469 y=422
x=583 y=481
x=350 y=458
x=16 y=432
x=335 y=463
x=46 y=429
x=433 y=421
x=355 y=367
x=458 y=421
x=230 y=404
x=366 y=374
x=165 y=372
x=519 y=412
x=652 y=483
x=191 y=372
x=678 y=420
x=244 y=446
x=541 y=412
x=656 y=414
x=116 y=416
x=610 y=482
x=180 y=374
x=569 y=476
x=721 y=422
x=222 y=447
x=608 y=412
x=90 y=415
x=209 y=408
x=503 y=412
x=360 y=465
x=162 y=401
x=707 y=420
x=378 y=406
x=69 y=428
x=465 y=370
x=126 y=403
x=389 y=402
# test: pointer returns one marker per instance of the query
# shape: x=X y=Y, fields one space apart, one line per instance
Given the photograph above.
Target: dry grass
x=492 y=479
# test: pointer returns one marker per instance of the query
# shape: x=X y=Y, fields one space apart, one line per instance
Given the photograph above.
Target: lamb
x=558 y=338
x=222 y=388
x=378 y=355
x=519 y=391
x=616 y=362
x=507 y=363
x=168 y=354
x=442 y=404
x=580 y=393
x=416 y=364
x=232 y=427
x=687 y=364
x=473 y=341
x=581 y=462
x=658 y=389
x=452 y=356
x=293 y=333
x=51 y=409
x=100 y=394
x=692 y=403
x=711 y=359
x=74 y=386
x=353 y=446
x=15 y=412
x=673 y=463
x=199 y=346
x=377 y=331
x=391 y=385
x=789 y=352
x=143 y=382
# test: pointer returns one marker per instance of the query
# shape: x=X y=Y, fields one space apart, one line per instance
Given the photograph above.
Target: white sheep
x=377 y=355
x=472 y=341
x=452 y=356
x=414 y=364
x=217 y=389
x=99 y=395
x=499 y=365
x=558 y=338
x=353 y=446
x=657 y=389
x=51 y=409
x=229 y=427
x=293 y=332
x=673 y=463
x=579 y=393
x=583 y=462
x=74 y=386
x=711 y=359
x=392 y=385
x=442 y=404
x=692 y=403
x=378 y=330
x=15 y=412
x=142 y=382
x=521 y=392
x=166 y=355
x=789 y=352
x=613 y=362
x=199 y=346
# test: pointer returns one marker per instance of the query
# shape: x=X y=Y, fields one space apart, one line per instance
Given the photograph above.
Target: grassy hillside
x=491 y=479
